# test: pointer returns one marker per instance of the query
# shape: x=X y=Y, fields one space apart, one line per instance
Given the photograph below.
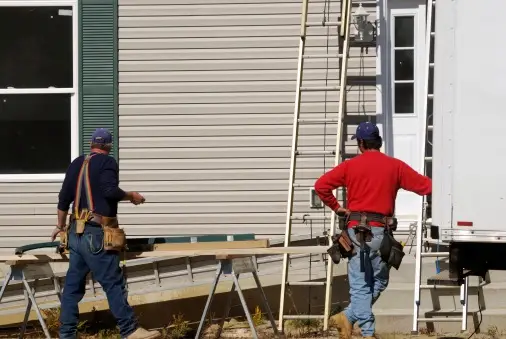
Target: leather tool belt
x=367 y=217
x=114 y=237
x=344 y=247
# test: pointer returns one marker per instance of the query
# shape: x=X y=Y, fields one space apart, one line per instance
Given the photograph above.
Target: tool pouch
x=391 y=251
x=80 y=224
x=342 y=247
x=114 y=237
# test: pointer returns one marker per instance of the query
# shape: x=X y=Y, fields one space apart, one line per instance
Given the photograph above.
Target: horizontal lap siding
x=206 y=108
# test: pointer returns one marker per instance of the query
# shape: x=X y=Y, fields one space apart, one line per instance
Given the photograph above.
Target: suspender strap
x=84 y=180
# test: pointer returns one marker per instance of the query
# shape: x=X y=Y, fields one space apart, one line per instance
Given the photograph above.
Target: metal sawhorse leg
x=17 y=273
x=236 y=265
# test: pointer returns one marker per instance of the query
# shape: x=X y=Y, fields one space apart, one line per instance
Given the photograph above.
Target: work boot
x=343 y=325
x=141 y=333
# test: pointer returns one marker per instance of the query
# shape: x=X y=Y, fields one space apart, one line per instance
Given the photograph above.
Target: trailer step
x=440 y=320
x=443 y=279
x=435 y=254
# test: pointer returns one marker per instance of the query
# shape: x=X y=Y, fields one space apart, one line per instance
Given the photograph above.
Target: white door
x=406 y=47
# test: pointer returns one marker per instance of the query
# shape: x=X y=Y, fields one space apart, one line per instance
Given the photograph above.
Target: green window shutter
x=98 y=69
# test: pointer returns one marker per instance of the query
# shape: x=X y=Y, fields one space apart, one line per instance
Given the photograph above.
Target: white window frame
x=74 y=91
x=399 y=12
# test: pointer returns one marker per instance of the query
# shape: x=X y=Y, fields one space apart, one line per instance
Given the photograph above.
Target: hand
x=343 y=211
x=57 y=230
x=136 y=198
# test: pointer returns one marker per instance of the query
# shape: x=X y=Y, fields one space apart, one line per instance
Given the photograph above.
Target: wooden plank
x=41 y=258
x=236 y=251
x=262 y=243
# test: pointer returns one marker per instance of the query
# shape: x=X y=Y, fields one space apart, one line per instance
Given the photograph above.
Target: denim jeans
x=87 y=254
x=366 y=287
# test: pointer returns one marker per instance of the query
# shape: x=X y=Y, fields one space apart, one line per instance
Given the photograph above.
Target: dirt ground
x=240 y=329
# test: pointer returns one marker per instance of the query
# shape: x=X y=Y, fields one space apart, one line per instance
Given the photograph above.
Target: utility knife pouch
x=80 y=224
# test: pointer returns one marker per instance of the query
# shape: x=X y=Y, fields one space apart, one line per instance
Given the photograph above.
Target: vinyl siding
x=206 y=108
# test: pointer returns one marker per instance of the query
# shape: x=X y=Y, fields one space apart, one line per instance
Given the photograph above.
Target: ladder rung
x=430 y=96
x=303 y=185
x=428 y=158
x=315 y=152
x=432 y=34
x=319 y=88
x=430 y=128
x=323 y=24
x=435 y=254
x=440 y=320
x=439 y=287
x=322 y=56
x=309 y=217
x=295 y=317
x=431 y=65
x=317 y=121
x=306 y=283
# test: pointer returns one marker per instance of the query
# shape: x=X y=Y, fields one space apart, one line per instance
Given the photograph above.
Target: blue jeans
x=87 y=254
x=366 y=287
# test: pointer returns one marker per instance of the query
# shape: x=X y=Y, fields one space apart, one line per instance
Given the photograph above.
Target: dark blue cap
x=366 y=131
x=101 y=136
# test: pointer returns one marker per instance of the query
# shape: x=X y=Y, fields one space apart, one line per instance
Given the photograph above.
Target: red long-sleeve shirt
x=372 y=180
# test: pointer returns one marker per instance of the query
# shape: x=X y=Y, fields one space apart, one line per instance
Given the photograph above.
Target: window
x=38 y=88
x=403 y=62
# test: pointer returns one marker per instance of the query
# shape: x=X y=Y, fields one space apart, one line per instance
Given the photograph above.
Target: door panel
x=406 y=53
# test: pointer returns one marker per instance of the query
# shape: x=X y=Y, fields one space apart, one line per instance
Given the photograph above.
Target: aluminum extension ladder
x=441 y=280
x=344 y=43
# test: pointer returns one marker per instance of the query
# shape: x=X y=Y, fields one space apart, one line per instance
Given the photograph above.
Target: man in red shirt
x=372 y=180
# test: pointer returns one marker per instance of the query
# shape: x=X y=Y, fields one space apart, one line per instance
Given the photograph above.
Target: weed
x=109 y=334
x=179 y=327
x=302 y=327
x=493 y=331
x=52 y=316
x=258 y=318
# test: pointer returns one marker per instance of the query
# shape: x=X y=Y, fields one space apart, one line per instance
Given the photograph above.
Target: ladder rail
x=420 y=224
x=293 y=159
x=345 y=38
x=344 y=44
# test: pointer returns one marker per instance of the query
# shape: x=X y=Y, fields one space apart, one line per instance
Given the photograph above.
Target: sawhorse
x=235 y=265
x=22 y=272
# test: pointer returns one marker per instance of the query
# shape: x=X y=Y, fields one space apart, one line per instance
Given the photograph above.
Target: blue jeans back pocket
x=95 y=242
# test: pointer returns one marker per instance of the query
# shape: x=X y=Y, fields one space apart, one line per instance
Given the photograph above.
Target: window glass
x=35 y=133
x=403 y=62
x=36 y=47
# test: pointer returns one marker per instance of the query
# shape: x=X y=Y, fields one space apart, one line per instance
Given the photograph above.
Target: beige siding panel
x=24 y=203
x=207 y=94
x=330 y=106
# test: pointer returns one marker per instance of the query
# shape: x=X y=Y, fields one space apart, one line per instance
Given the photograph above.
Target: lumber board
x=239 y=251
x=42 y=258
x=262 y=243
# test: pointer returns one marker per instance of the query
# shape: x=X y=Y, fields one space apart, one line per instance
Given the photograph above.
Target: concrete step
x=401 y=320
x=401 y=296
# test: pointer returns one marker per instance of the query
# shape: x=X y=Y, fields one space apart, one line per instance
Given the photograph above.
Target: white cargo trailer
x=469 y=131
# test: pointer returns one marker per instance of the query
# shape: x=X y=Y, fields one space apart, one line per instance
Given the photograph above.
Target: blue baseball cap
x=101 y=136
x=366 y=131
